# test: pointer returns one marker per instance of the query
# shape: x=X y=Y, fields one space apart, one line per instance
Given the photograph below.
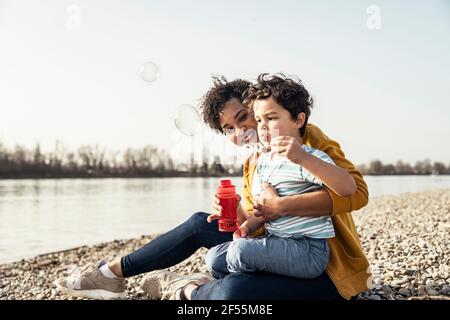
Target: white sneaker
x=163 y=284
x=89 y=282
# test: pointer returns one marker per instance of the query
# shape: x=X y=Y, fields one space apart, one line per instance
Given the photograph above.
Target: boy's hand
x=217 y=209
x=288 y=147
x=242 y=232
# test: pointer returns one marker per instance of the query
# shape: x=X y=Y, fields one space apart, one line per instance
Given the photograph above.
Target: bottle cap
x=225 y=183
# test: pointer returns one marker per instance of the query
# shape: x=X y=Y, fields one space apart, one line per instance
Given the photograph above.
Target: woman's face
x=238 y=123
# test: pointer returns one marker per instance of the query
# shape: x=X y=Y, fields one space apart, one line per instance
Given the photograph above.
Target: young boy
x=293 y=246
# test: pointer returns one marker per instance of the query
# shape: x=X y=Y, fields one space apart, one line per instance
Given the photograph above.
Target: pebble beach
x=406 y=238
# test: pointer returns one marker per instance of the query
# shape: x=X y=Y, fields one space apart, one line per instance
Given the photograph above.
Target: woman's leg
x=267 y=286
x=164 y=251
x=174 y=246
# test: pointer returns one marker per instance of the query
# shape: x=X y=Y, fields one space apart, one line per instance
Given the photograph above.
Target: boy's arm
x=336 y=178
x=317 y=139
x=321 y=202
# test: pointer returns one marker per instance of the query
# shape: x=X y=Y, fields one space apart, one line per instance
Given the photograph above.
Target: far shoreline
x=184 y=175
x=117 y=177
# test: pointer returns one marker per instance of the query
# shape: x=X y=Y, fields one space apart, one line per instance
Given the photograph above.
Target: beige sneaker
x=163 y=284
x=89 y=282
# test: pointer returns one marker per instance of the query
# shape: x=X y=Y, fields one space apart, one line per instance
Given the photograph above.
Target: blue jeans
x=180 y=243
x=305 y=258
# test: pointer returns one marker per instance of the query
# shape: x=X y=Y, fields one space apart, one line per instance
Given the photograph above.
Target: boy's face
x=238 y=122
x=274 y=120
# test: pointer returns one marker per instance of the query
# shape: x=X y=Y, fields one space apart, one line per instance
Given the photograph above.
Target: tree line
x=149 y=161
x=96 y=161
x=423 y=167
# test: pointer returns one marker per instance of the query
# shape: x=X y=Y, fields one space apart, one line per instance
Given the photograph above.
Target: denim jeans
x=180 y=243
x=305 y=258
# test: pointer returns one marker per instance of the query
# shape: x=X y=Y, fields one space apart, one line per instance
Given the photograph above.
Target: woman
x=347 y=270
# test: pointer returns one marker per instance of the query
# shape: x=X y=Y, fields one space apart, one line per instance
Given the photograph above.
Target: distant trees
x=425 y=167
x=149 y=161
x=96 y=161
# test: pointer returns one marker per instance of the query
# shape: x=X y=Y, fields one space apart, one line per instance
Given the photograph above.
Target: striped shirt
x=288 y=179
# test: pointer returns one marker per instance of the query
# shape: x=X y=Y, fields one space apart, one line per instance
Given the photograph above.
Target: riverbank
x=406 y=238
x=175 y=174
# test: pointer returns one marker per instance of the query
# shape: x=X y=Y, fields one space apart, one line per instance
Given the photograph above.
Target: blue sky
x=381 y=93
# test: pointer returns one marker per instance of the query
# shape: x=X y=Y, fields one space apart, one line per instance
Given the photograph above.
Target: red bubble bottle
x=226 y=193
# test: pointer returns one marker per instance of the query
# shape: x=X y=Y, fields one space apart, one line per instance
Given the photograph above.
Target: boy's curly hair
x=214 y=100
x=288 y=93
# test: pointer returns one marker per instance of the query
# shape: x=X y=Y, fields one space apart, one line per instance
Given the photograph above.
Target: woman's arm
x=242 y=214
x=311 y=204
x=316 y=203
x=252 y=224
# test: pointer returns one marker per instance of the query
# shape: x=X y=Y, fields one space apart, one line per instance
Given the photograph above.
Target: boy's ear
x=300 y=121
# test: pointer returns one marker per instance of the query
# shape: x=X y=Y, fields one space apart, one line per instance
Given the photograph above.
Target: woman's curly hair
x=288 y=93
x=214 y=100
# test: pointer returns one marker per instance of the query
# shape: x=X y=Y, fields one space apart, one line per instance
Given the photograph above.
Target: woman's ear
x=300 y=121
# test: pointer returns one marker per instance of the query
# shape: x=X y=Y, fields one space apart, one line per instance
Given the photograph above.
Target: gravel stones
x=406 y=239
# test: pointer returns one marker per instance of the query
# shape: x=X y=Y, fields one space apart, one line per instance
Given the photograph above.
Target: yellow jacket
x=348 y=267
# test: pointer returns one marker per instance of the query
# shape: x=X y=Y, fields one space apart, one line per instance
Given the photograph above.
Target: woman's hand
x=217 y=209
x=288 y=147
x=242 y=232
x=268 y=207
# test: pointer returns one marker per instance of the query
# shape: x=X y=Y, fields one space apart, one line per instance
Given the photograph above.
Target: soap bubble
x=187 y=120
x=150 y=71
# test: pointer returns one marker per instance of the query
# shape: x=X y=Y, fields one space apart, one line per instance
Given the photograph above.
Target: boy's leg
x=216 y=260
x=174 y=246
x=303 y=258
